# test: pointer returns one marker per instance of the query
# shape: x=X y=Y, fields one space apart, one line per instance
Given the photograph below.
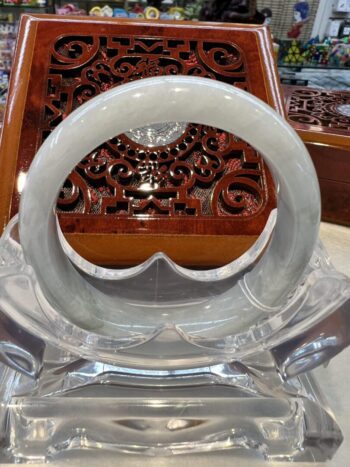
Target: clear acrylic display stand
x=157 y=359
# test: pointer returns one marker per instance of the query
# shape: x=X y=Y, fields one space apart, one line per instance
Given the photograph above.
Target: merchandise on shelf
x=344 y=30
x=70 y=9
x=117 y=12
x=4 y=79
x=106 y=10
x=268 y=16
x=333 y=28
x=166 y=10
x=294 y=54
x=177 y=13
x=301 y=16
x=334 y=52
x=152 y=12
x=340 y=55
x=193 y=10
x=25 y=3
x=8 y=34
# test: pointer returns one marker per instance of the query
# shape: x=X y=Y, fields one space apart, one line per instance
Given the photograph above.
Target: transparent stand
x=225 y=407
x=57 y=406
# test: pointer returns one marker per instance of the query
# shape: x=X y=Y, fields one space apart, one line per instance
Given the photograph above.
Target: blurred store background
x=312 y=38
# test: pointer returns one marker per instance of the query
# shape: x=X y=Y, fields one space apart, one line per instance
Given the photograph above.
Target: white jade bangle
x=158 y=100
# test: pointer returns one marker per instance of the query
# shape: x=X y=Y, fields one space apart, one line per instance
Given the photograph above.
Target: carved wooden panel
x=322 y=119
x=205 y=172
x=205 y=182
x=321 y=108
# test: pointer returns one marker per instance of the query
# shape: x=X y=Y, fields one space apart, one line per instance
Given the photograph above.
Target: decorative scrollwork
x=204 y=172
x=71 y=53
x=238 y=192
x=319 y=108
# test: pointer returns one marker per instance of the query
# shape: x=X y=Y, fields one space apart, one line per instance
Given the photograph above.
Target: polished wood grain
x=211 y=193
x=315 y=114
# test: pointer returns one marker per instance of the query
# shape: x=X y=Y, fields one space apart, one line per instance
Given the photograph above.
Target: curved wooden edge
x=184 y=250
x=271 y=78
x=13 y=118
x=322 y=137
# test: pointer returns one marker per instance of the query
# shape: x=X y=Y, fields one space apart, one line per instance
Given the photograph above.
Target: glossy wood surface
x=205 y=217
x=314 y=113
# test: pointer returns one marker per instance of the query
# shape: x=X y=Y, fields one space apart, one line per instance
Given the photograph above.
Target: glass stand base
x=96 y=420
x=43 y=430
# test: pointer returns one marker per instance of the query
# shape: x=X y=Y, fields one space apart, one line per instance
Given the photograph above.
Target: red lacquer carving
x=319 y=108
x=206 y=172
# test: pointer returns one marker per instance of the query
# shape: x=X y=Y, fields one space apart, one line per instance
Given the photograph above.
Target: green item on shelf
x=192 y=11
x=294 y=56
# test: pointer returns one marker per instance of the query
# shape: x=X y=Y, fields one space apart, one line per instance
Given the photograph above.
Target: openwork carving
x=320 y=108
x=205 y=172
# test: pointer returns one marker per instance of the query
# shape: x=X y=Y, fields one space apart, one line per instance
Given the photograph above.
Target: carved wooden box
x=209 y=194
x=322 y=119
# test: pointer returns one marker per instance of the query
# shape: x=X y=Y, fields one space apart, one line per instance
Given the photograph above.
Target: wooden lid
x=320 y=116
x=205 y=217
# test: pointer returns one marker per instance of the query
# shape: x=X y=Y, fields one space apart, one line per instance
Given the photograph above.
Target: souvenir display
x=25 y=3
x=137 y=9
x=4 y=78
x=152 y=13
x=132 y=14
x=70 y=9
x=268 y=16
x=343 y=6
x=193 y=10
x=106 y=10
x=340 y=55
x=334 y=28
x=331 y=51
x=315 y=53
x=8 y=33
x=173 y=14
x=294 y=55
x=176 y=13
x=344 y=30
x=301 y=16
x=117 y=13
x=95 y=11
